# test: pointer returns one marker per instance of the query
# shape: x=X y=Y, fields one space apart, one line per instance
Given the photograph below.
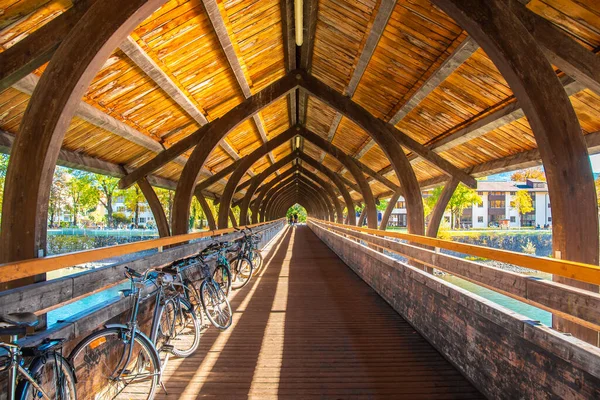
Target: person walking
x=295 y=218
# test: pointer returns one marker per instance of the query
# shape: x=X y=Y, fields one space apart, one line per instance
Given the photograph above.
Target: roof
x=384 y=55
x=509 y=186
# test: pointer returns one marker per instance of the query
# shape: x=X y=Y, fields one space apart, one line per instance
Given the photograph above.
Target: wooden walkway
x=308 y=327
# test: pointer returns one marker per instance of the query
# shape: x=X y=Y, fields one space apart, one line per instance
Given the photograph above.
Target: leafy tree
x=522 y=202
x=83 y=194
x=296 y=209
x=58 y=195
x=120 y=218
x=197 y=216
x=529 y=173
x=107 y=186
x=462 y=198
x=165 y=197
x=133 y=198
x=382 y=205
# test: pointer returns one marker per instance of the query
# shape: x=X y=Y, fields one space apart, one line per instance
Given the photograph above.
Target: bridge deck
x=309 y=327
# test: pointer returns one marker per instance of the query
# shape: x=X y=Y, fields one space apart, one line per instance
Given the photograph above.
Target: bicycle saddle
x=20 y=319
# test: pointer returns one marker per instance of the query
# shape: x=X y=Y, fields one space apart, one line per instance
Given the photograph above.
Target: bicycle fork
x=15 y=369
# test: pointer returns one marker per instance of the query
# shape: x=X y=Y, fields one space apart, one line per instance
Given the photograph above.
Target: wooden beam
x=220 y=28
x=218 y=128
x=560 y=48
x=329 y=190
x=289 y=51
x=37 y=48
x=440 y=207
x=71 y=159
x=386 y=7
x=378 y=128
x=310 y=16
x=450 y=64
x=210 y=218
x=46 y=120
x=494 y=120
x=388 y=211
x=554 y=124
x=157 y=209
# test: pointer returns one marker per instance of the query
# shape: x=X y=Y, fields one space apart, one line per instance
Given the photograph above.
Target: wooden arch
x=554 y=124
x=317 y=202
x=260 y=178
x=328 y=190
x=297 y=183
x=258 y=207
x=49 y=111
x=157 y=209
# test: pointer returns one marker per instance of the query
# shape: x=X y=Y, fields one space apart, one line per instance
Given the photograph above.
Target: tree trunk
x=137 y=215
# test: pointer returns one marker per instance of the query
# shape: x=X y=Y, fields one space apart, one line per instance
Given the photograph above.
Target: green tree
x=58 y=195
x=83 y=194
x=133 y=198
x=120 y=218
x=197 y=216
x=107 y=186
x=165 y=196
x=522 y=202
x=296 y=209
x=462 y=198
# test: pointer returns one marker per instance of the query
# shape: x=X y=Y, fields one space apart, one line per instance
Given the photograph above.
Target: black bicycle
x=120 y=361
x=47 y=376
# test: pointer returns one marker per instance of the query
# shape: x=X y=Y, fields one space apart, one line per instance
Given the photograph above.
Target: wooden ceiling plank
x=216 y=19
x=38 y=47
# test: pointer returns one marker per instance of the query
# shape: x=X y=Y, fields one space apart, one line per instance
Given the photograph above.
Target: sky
x=595 y=160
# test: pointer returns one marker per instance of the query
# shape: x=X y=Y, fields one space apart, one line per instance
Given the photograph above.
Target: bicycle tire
x=193 y=297
x=91 y=370
x=216 y=305
x=257 y=262
x=40 y=370
x=222 y=275
x=183 y=327
x=242 y=272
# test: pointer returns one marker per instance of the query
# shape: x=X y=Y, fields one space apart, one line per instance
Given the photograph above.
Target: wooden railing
x=46 y=296
x=577 y=305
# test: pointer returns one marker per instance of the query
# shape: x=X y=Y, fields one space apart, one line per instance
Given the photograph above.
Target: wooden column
x=231 y=217
x=207 y=211
x=554 y=124
x=48 y=115
x=438 y=210
x=361 y=219
x=157 y=209
x=388 y=211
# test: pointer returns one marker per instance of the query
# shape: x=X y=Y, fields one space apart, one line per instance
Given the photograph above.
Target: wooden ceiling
x=192 y=61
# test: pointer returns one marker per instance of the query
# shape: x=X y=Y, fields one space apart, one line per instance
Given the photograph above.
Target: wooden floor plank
x=308 y=327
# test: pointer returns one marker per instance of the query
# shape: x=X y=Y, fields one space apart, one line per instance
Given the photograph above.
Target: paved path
x=308 y=327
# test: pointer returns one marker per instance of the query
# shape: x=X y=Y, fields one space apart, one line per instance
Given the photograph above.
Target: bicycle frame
x=16 y=368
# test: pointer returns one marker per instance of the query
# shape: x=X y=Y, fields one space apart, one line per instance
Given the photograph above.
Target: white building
x=495 y=207
x=145 y=214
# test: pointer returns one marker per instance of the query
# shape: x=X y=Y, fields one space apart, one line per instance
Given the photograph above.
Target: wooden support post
x=554 y=124
x=438 y=210
x=361 y=219
x=210 y=218
x=49 y=112
x=388 y=211
x=157 y=209
x=232 y=218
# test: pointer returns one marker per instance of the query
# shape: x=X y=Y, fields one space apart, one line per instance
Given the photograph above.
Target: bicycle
x=120 y=361
x=48 y=376
x=240 y=266
x=251 y=249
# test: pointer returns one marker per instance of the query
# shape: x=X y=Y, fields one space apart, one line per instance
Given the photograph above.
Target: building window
x=549 y=219
x=142 y=220
x=496 y=193
x=480 y=219
x=401 y=204
x=548 y=205
x=497 y=204
x=513 y=219
x=513 y=193
x=479 y=194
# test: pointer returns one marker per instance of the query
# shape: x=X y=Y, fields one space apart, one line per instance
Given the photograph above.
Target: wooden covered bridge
x=262 y=104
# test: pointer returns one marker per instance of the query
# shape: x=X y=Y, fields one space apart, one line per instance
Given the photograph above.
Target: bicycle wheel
x=257 y=262
x=215 y=304
x=107 y=367
x=241 y=268
x=222 y=275
x=54 y=376
x=193 y=297
x=180 y=327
